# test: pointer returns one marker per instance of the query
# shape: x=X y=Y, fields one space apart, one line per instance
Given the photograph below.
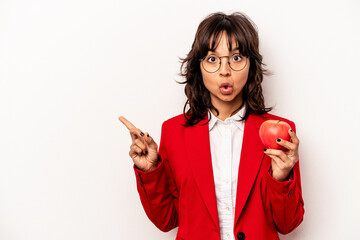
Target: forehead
x=221 y=40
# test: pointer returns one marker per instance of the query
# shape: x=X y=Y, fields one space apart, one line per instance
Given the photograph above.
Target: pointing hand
x=143 y=149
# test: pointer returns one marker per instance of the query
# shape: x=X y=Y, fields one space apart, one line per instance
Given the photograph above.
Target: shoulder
x=179 y=122
x=175 y=121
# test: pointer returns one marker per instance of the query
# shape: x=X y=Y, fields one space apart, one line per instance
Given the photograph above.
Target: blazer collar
x=199 y=158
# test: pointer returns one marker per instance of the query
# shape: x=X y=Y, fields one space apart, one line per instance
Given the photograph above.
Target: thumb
x=150 y=141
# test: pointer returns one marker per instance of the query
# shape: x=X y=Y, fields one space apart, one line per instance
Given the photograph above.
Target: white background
x=69 y=68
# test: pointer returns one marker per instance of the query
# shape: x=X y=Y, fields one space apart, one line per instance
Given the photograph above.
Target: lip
x=226 y=88
x=225 y=84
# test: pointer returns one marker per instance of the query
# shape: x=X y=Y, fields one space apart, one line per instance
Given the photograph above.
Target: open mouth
x=226 y=88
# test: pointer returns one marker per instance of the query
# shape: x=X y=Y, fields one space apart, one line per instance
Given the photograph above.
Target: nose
x=225 y=69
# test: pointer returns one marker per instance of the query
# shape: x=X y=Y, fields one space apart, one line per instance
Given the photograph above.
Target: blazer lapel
x=199 y=158
x=252 y=154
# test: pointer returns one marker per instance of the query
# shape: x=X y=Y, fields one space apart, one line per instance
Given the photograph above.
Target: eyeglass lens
x=211 y=63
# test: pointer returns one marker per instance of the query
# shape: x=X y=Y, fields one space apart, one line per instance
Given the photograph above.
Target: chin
x=227 y=98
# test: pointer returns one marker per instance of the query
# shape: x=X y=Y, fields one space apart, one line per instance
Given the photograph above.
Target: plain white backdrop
x=69 y=69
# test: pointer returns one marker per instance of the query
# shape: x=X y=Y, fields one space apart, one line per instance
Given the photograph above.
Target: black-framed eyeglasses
x=211 y=63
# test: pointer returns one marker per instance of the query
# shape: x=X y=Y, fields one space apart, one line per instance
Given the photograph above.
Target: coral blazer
x=180 y=192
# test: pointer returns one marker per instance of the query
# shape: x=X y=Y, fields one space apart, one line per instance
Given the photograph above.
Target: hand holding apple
x=271 y=130
x=284 y=153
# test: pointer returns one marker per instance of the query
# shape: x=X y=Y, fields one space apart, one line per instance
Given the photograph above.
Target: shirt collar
x=236 y=116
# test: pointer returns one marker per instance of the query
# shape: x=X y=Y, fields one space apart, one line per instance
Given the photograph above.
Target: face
x=225 y=85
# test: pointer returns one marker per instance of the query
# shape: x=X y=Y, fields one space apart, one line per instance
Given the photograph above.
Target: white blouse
x=226 y=139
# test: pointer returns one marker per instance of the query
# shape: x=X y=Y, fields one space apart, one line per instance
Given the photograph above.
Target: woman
x=212 y=176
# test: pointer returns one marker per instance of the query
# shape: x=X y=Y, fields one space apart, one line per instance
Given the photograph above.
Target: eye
x=211 y=59
x=237 y=58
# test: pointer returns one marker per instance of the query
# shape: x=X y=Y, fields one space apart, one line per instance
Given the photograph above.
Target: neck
x=225 y=109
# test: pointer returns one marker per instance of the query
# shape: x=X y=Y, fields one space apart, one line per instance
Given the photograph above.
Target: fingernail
x=141 y=134
x=278 y=140
x=265 y=149
x=291 y=130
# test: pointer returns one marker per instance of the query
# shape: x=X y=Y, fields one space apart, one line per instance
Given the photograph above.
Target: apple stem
x=278 y=121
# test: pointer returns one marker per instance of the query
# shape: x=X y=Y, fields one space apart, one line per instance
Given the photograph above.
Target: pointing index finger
x=134 y=132
x=126 y=122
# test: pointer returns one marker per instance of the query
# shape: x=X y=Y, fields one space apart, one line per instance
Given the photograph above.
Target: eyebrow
x=212 y=50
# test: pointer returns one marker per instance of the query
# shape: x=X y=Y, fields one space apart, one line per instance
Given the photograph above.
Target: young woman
x=212 y=177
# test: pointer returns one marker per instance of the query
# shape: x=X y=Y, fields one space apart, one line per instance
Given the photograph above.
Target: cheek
x=242 y=79
x=209 y=81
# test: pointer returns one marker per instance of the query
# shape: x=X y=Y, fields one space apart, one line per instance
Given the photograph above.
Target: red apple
x=270 y=130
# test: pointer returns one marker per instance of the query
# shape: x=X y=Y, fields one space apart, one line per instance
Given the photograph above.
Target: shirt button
x=227 y=181
x=228 y=235
x=228 y=208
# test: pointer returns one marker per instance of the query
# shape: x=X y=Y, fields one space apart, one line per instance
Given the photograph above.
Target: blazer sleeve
x=157 y=190
x=287 y=204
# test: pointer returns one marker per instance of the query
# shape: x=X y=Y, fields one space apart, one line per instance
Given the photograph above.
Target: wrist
x=154 y=165
x=281 y=177
x=151 y=168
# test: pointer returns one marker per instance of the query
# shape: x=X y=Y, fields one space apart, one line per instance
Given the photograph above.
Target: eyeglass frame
x=228 y=56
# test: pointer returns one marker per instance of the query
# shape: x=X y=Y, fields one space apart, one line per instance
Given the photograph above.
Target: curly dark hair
x=244 y=30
